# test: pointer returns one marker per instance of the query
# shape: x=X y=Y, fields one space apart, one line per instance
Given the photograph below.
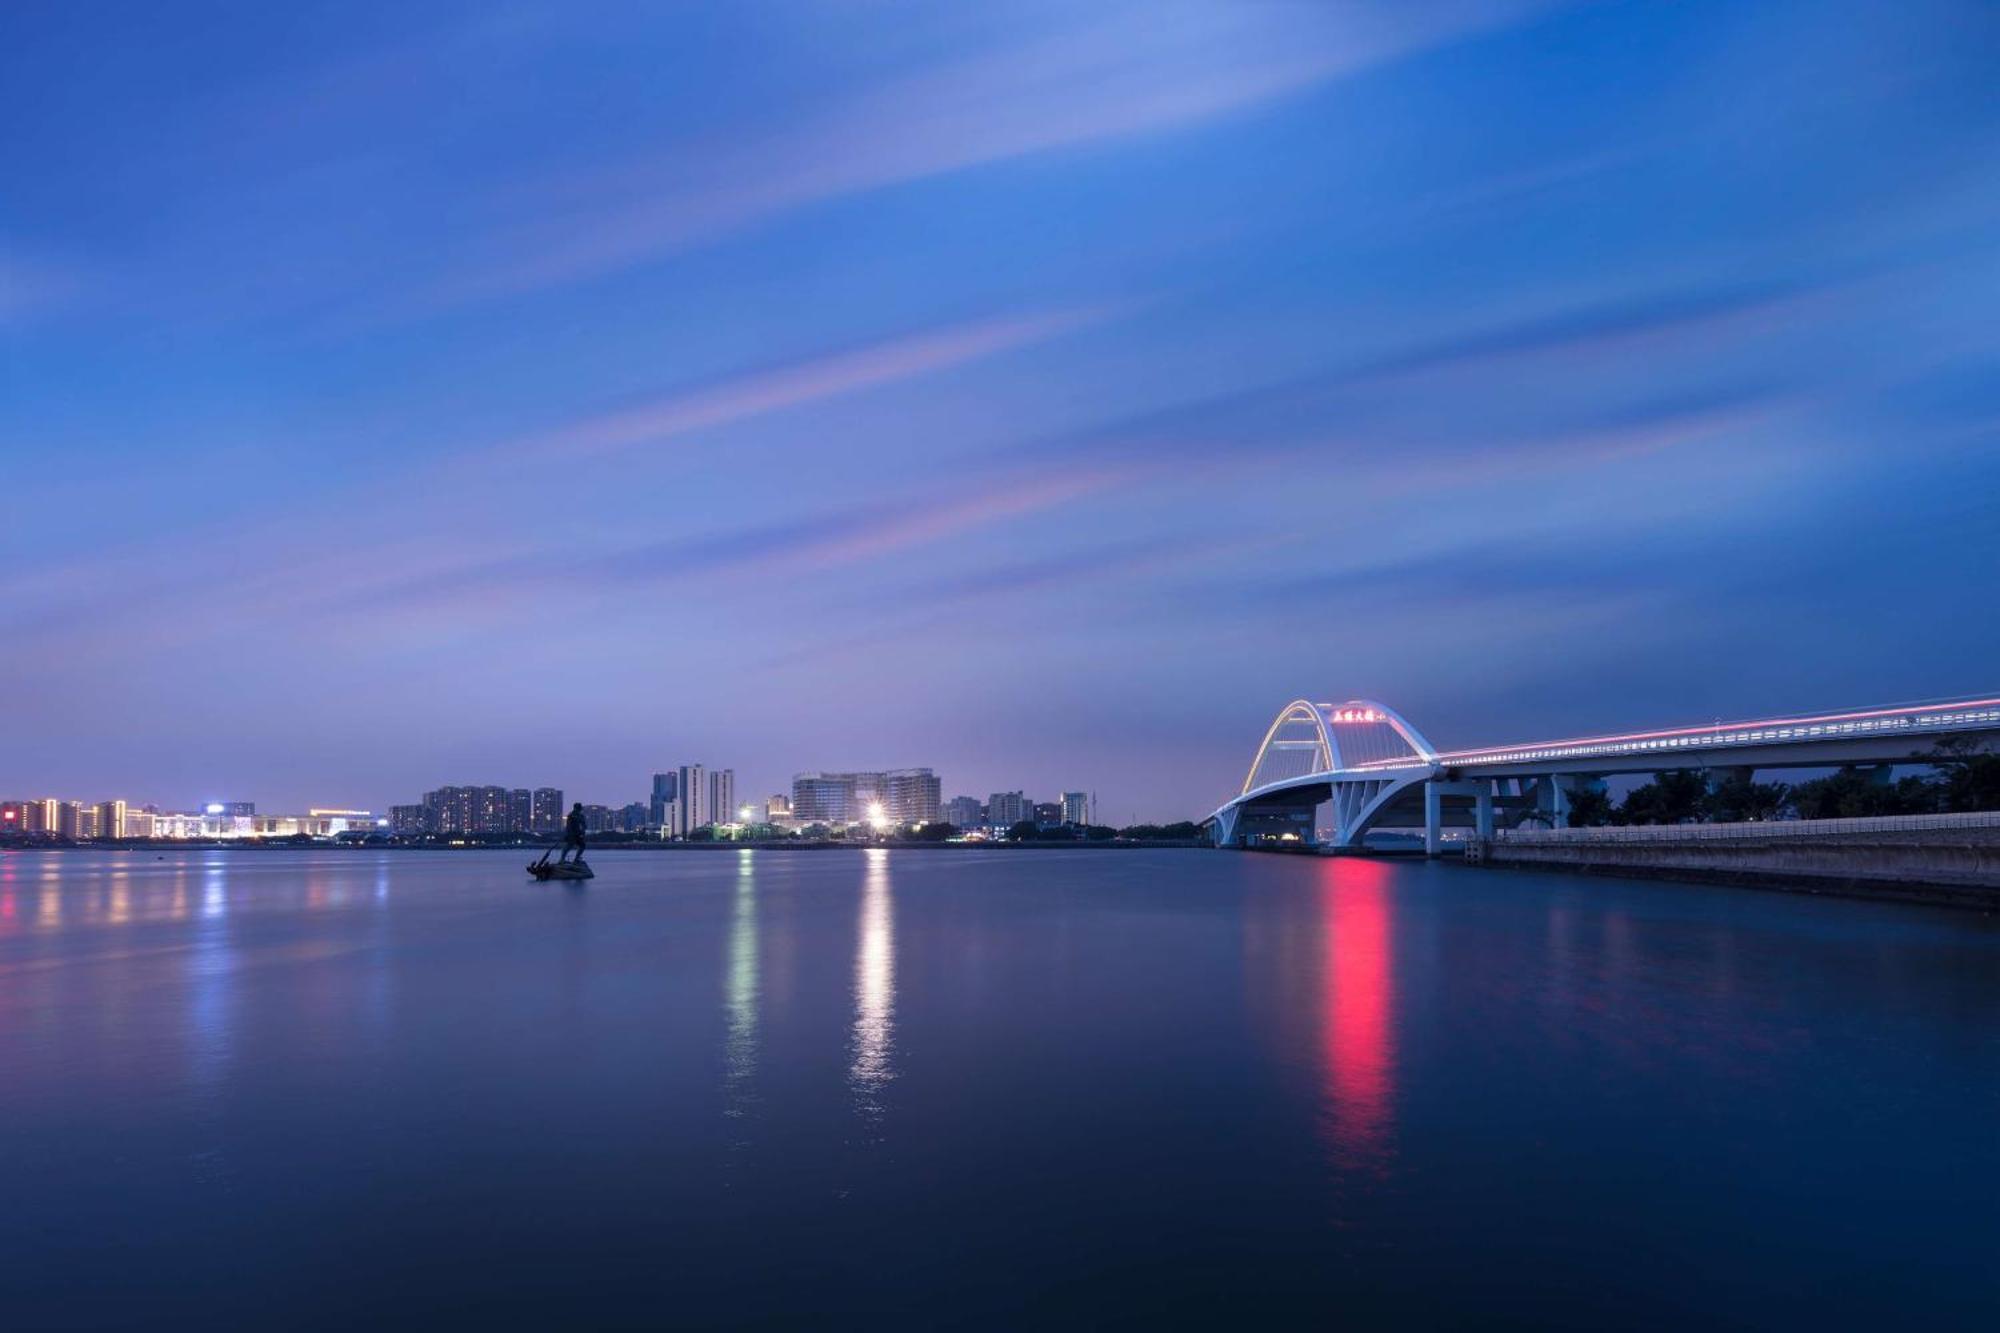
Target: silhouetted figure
x=573 y=833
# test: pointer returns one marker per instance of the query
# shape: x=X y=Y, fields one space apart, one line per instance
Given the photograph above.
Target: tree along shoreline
x=1958 y=776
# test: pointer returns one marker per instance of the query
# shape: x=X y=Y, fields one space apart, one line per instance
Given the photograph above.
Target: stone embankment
x=1949 y=859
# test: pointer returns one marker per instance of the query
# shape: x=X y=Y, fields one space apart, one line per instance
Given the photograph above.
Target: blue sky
x=396 y=395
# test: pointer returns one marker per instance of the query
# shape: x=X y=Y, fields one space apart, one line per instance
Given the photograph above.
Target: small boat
x=545 y=870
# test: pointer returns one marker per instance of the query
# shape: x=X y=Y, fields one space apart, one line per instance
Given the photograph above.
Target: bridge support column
x=1482 y=811
x=1480 y=793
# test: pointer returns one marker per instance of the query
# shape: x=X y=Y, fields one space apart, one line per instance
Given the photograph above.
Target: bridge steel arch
x=1362 y=787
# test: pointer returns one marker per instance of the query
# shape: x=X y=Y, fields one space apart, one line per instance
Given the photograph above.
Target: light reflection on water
x=871 y=1070
x=1357 y=1009
x=214 y=888
x=121 y=894
x=740 y=990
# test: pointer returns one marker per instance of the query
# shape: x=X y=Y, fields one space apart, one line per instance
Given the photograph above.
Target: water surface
x=938 y=1088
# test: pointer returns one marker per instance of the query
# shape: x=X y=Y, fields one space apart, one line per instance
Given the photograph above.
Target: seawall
x=1952 y=865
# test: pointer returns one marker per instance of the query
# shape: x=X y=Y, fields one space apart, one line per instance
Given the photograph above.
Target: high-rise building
x=545 y=810
x=632 y=818
x=1048 y=812
x=489 y=811
x=111 y=819
x=722 y=796
x=443 y=812
x=822 y=798
x=464 y=810
x=688 y=808
x=666 y=788
x=410 y=821
x=964 y=812
x=1004 y=809
x=1076 y=808
x=913 y=795
x=520 y=810
x=778 y=809
x=903 y=795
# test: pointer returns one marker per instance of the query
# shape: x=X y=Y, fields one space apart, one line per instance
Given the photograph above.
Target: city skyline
x=900 y=797
x=1046 y=394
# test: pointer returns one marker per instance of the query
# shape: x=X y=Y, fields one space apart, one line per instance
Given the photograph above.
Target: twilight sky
x=534 y=393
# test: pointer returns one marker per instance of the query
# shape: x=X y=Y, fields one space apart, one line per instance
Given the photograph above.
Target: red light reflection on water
x=1357 y=1008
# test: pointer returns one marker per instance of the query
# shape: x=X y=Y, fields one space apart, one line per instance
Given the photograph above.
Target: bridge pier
x=1481 y=792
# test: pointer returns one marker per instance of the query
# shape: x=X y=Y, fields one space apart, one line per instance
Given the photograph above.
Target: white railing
x=1916 y=721
x=1774 y=828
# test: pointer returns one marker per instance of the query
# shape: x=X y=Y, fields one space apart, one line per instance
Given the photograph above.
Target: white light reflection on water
x=871 y=1071
x=214 y=890
x=121 y=892
x=208 y=1030
x=49 y=906
x=740 y=991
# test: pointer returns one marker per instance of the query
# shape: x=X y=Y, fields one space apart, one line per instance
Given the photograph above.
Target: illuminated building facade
x=546 y=812
x=823 y=798
x=486 y=810
x=111 y=819
x=913 y=795
x=1076 y=807
x=904 y=796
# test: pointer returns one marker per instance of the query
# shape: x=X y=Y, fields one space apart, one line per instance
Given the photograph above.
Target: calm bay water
x=943 y=1088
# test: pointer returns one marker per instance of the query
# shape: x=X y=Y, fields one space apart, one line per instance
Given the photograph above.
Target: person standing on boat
x=573 y=833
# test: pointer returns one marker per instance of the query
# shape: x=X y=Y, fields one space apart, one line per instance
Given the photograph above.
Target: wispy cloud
x=939 y=604
x=1597 y=327
x=1365 y=408
x=828 y=539
x=1133 y=69
x=761 y=392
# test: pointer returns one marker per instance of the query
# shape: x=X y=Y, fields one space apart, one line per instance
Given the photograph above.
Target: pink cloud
x=1136 y=69
x=759 y=393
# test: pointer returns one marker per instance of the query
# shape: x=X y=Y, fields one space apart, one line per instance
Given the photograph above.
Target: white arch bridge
x=1380 y=773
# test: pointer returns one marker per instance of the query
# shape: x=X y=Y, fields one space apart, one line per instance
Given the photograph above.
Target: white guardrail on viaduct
x=1774 y=828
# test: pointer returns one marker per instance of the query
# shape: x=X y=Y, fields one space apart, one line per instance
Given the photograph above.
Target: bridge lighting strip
x=1829 y=726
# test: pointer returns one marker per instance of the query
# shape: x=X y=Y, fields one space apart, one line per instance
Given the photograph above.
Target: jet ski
x=545 y=870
